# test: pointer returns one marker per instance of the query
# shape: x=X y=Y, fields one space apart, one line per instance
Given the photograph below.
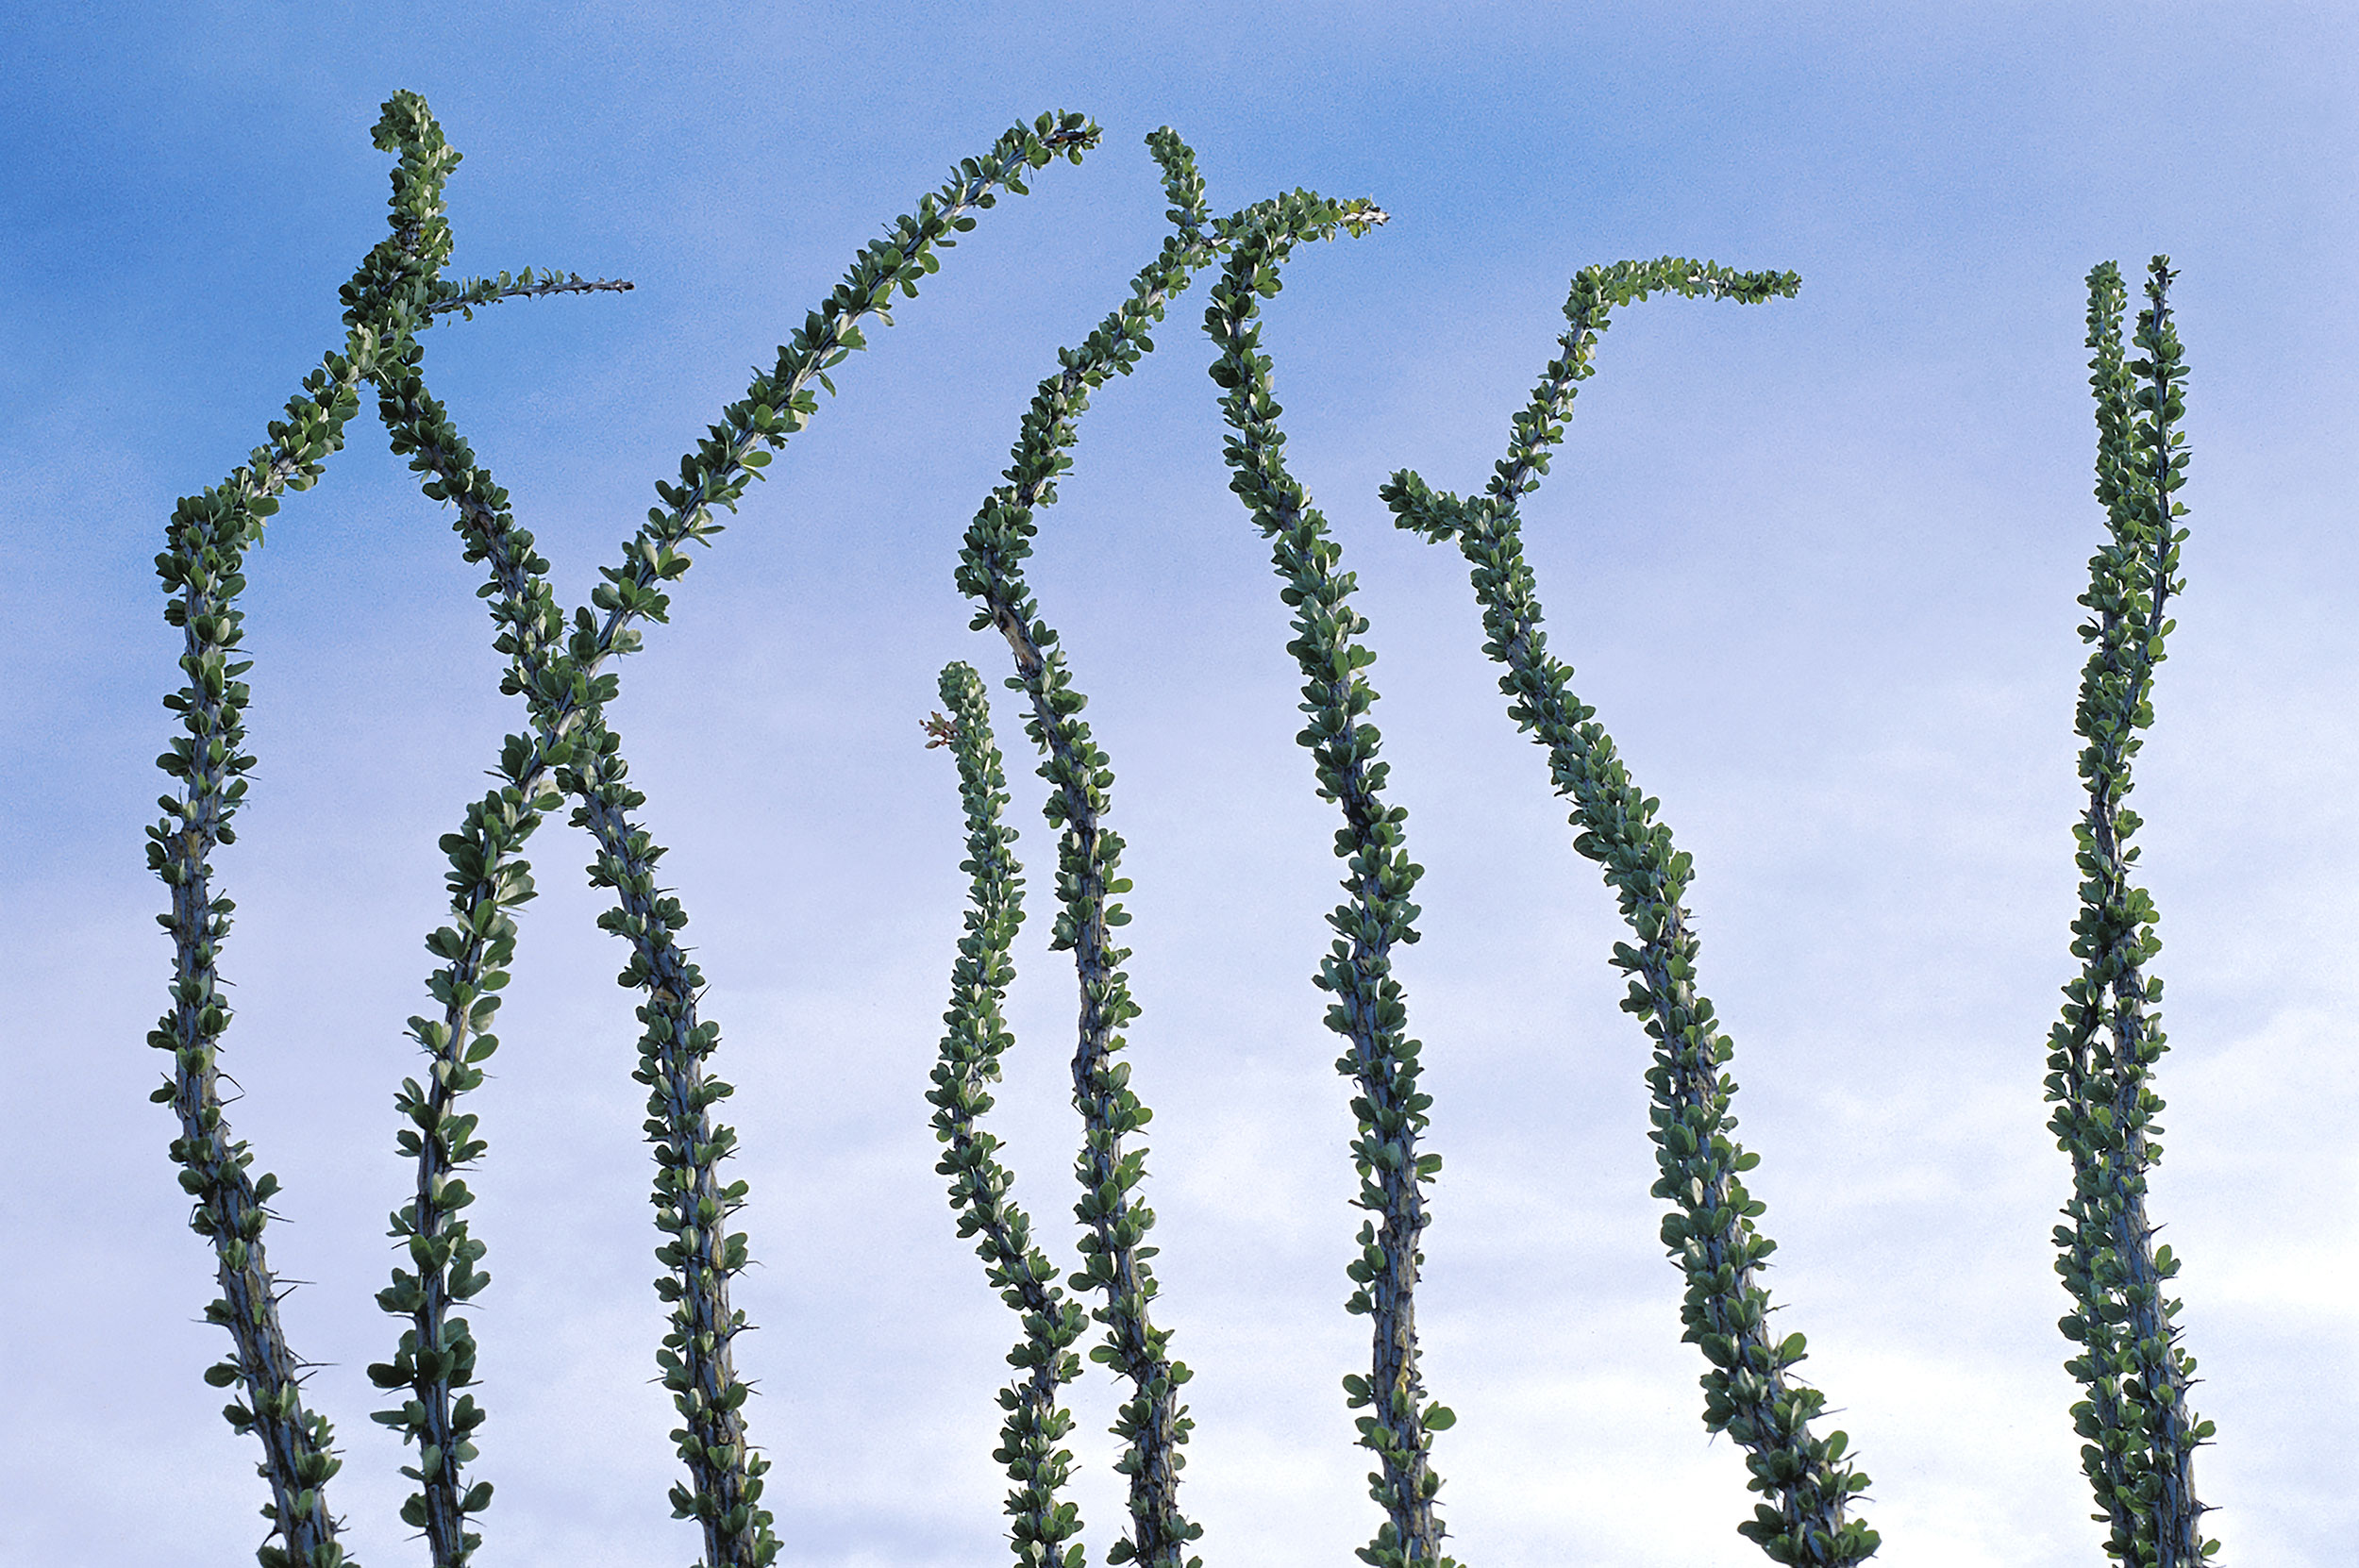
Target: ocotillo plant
x=2142 y=1436
x=395 y=296
x=1749 y=1389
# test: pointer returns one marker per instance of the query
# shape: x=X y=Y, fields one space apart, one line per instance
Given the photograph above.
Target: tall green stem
x=2141 y=1434
x=980 y=1184
x=436 y=1355
x=1369 y=1010
x=1750 y=1390
x=202 y=569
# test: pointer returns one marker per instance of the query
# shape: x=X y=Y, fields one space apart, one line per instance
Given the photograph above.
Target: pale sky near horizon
x=1813 y=562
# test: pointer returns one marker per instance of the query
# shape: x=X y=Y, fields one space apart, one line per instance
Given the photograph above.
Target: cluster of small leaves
x=2141 y=1436
x=1152 y=1421
x=1368 y=1010
x=401 y=279
x=1750 y=1390
x=980 y=1184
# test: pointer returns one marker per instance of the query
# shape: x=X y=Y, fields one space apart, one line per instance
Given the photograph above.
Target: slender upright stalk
x=2141 y=1434
x=572 y=747
x=202 y=569
x=1152 y=1422
x=2074 y=1079
x=1369 y=1010
x=980 y=1184
x=1750 y=1390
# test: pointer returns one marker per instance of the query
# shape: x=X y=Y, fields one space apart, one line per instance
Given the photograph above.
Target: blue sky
x=1815 y=563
